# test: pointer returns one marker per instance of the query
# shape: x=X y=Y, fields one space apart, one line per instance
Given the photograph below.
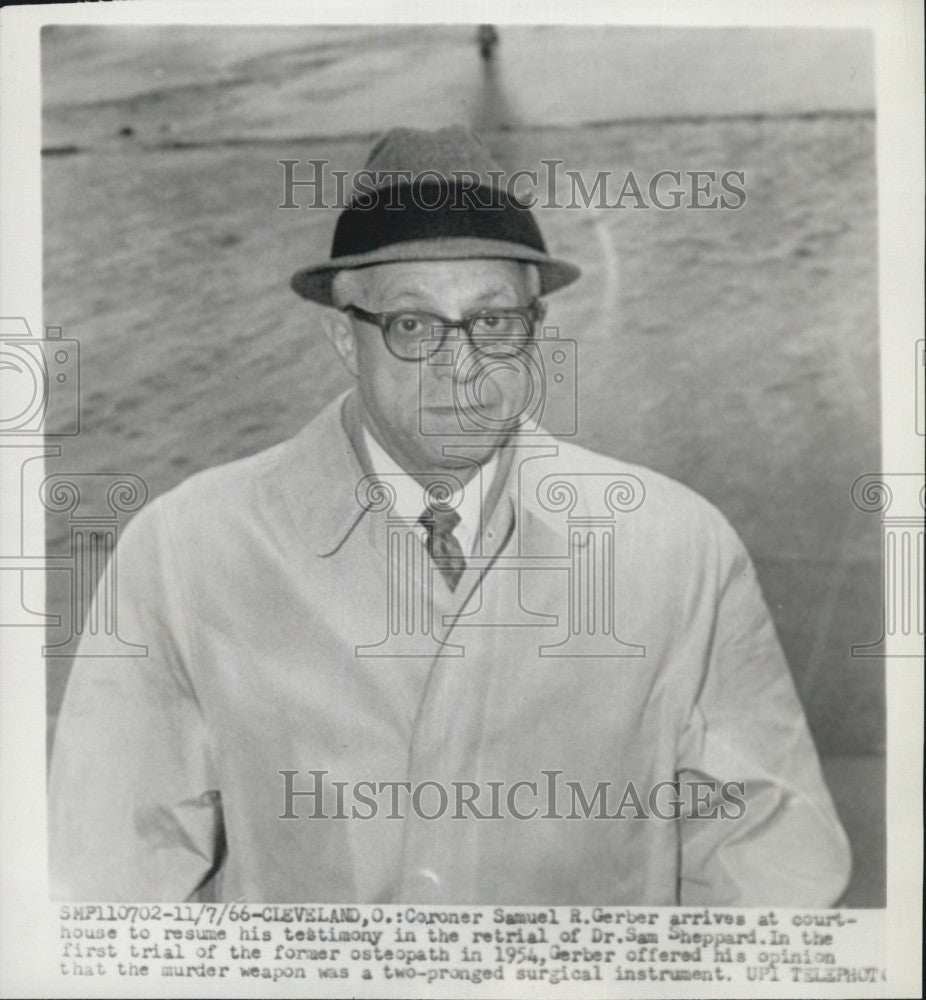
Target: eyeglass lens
x=406 y=332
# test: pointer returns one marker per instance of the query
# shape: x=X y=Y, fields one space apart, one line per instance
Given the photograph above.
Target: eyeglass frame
x=531 y=314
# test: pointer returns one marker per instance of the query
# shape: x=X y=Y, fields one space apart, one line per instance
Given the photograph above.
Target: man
x=427 y=651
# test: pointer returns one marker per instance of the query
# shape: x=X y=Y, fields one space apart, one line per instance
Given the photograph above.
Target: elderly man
x=427 y=650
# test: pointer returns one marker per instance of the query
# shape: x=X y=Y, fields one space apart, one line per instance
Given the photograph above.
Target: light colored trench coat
x=285 y=614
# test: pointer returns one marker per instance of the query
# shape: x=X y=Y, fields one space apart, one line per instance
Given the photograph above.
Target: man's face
x=414 y=408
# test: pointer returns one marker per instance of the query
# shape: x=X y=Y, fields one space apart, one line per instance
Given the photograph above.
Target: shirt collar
x=467 y=500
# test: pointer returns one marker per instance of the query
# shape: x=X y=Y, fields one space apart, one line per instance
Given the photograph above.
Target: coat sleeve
x=781 y=843
x=134 y=810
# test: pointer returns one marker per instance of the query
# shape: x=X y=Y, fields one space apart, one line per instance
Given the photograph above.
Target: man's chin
x=460 y=451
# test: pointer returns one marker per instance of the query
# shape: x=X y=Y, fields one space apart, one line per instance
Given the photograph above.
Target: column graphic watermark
x=593 y=552
x=591 y=504
x=94 y=503
x=409 y=582
x=900 y=498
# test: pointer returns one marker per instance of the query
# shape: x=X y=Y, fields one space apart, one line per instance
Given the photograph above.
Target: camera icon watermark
x=491 y=387
x=39 y=380
x=40 y=400
x=920 y=393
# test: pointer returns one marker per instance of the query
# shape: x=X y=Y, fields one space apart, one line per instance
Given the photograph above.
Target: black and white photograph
x=460 y=507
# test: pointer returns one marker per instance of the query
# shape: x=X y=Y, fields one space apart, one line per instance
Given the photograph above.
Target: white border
x=25 y=951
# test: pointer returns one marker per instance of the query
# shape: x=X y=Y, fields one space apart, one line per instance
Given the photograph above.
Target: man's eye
x=409 y=326
x=499 y=325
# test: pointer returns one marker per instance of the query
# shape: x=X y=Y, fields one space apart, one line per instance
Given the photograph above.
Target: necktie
x=442 y=544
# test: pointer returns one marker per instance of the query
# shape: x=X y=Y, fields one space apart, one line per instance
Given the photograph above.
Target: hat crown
x=423 y=197
x=447 y=152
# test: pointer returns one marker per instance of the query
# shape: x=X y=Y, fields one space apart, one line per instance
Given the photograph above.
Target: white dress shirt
x=467 y=501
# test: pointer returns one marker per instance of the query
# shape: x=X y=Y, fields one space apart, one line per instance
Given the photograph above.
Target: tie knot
x=439 y=522
x=442 y=544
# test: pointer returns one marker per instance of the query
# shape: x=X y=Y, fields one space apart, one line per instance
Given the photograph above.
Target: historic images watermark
x=40 y=392
x=547 y=796
x=553 y=186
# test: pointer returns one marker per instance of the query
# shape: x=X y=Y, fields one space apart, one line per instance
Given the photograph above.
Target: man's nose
x=468 y=358
x=473 y=361
x=456 y=358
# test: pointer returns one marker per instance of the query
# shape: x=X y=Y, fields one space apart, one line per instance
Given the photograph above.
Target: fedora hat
x=431 y=195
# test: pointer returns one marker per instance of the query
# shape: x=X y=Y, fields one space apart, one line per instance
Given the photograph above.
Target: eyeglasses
x=405 y=332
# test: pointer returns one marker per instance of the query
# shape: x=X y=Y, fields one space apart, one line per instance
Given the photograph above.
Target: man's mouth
x=468 y=408
x=472 y=411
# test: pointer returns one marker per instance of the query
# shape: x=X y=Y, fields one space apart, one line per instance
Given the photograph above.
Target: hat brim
x=314 y=282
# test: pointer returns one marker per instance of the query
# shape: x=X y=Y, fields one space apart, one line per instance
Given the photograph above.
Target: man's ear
x=341 y=335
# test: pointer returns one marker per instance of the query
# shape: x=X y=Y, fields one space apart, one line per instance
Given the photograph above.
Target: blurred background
x=736 y=351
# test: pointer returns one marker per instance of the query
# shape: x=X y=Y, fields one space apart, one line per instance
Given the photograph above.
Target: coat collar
x=319 y=471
